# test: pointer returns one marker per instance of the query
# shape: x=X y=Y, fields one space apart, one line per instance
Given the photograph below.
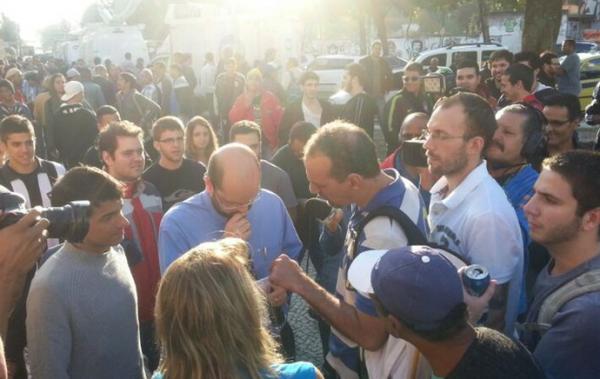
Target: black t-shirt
x=492 y=355
x=176 y=185
x=285 y=159
x=361 y=111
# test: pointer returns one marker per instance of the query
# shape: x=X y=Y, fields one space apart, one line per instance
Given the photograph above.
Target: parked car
x=449 y=55
x=589 y=76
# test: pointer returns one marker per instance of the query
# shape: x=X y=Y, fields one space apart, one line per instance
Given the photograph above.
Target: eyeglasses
x=227 y=206
x=411 y=78
x=557 y=123
x=171 y=141
x=440 y=136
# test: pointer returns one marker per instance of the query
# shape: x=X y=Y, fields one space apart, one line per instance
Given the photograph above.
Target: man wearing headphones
x=518 y=141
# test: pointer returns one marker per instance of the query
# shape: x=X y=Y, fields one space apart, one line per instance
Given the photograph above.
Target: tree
x=542 y=23
x=53 y=34
x=9 y=30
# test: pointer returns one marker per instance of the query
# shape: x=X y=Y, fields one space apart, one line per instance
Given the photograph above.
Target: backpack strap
x=413 y=234
x=585 y=283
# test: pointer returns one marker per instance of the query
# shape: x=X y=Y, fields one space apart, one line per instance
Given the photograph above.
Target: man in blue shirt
x=517 y=141
x=564 y=217
x=233 y=205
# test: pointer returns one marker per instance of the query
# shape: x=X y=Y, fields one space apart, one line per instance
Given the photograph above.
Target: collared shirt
x=196 y=220
x=477 y=222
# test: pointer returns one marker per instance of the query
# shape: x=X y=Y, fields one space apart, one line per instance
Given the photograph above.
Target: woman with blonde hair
x=200 y=140
x=211 y=319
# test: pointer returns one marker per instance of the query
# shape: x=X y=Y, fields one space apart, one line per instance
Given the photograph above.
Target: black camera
x=70 y=222
x=413 y=153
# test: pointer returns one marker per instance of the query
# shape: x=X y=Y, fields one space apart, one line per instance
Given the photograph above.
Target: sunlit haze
x=33 y=15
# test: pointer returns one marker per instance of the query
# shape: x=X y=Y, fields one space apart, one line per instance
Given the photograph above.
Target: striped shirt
x=396 y=357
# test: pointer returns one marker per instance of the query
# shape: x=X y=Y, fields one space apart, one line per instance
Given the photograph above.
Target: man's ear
x=355 y=180
x=210 y=188
x=591 y=219
x=395 y=327
x=105 y=156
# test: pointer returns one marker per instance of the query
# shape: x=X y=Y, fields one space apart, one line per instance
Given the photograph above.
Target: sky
x=33 y=15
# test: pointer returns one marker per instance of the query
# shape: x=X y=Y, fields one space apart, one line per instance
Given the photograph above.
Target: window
x=485 y=55
x=590 y=69
x=441 y=58
x=463 y=56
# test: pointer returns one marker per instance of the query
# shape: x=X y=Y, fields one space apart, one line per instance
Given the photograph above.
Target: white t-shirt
x=310 y=116
x=477 y=221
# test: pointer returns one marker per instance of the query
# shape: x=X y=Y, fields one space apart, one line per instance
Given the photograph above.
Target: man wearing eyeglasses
x=175 y=177
x=234 y=205
x=563 y=114
x=410 y=99
x=469 y=212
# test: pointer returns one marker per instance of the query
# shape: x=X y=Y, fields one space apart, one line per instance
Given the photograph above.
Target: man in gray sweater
x=82 y=305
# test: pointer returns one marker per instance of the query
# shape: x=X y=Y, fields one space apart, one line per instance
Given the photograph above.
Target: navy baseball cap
x=417 y=284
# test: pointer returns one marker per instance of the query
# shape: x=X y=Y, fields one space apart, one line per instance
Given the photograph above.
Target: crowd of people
x=205 y=193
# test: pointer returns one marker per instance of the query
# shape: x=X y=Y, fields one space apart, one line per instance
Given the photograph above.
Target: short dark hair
x=479 y=116
x=244 y=127
x=107 y=139
x=129 y=78
x=580 y=168
x=357 y=70
x=4 y=83
x=15 y=124
x=308 y=75
x=547 y=56
x=502 y=55
x=86 y=183
x=520 y=72
x=85 y=73
x=302 y=131
x=468 y=64
x=349 y=148
x=567 y=100
x=534 y=119
x=415 y=66
x=530 y=57
x=450 y=325
x=570 y=42
x=166 y=123
x=105 y=110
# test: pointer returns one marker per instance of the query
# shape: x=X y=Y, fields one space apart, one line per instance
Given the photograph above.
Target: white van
x=449 y=55
x=112 y=42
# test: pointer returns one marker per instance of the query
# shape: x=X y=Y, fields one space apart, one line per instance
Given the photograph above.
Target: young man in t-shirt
x=564 y=217
x=81 y=310
x=418 y=293
x=175 y=177
x=24 y=172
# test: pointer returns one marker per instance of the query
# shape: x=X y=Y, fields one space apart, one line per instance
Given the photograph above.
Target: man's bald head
x=413 y=126
x=233 y=162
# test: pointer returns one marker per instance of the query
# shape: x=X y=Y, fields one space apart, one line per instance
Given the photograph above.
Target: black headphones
x=535 y=142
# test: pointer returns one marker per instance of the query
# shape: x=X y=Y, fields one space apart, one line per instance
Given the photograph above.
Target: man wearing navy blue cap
x=418 y=291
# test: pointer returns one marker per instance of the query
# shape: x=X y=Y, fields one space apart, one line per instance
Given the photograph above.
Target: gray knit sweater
x=82 y=317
